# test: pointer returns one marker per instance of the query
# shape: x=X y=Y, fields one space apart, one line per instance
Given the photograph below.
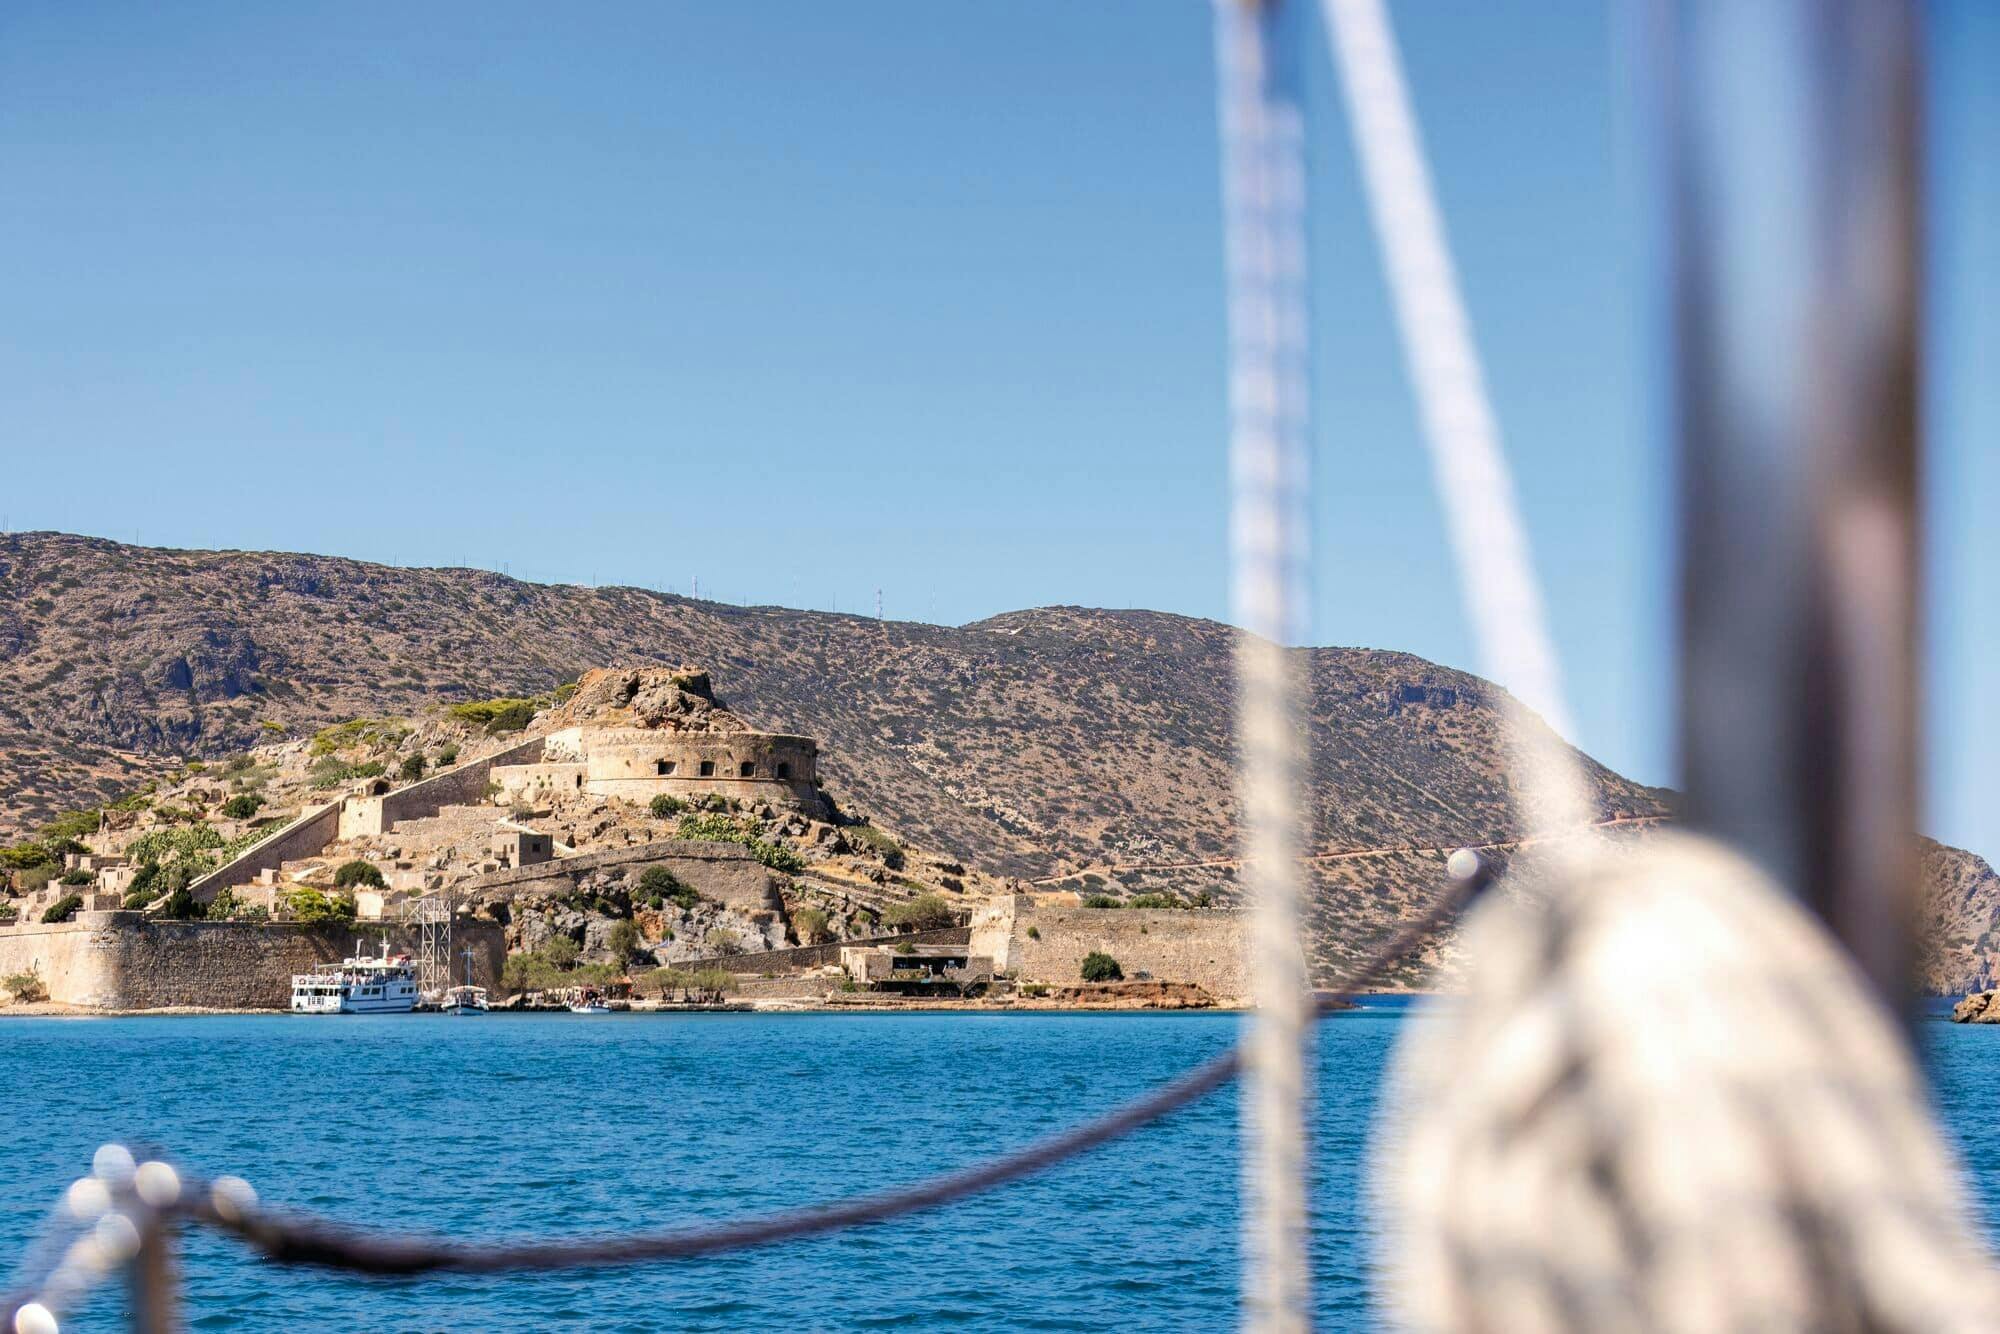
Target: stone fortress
x=635 y=734
x=638 y=763
x=521 y=836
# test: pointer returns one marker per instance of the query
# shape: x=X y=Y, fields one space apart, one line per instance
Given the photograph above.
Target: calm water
x=567 y=1124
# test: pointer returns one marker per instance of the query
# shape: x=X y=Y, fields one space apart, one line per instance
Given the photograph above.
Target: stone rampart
x=464 y=785
x=725 y=872
x=125 y=961
x=349 y=816
x=1203 y=946
x=638 y=764
x=816 y=956
x=303 y=837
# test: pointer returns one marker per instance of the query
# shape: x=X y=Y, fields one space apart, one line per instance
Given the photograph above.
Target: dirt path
x=1342 y=855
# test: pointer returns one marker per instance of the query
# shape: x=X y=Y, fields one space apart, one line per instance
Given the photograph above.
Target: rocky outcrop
x=671 y=699
x=1978 y=1008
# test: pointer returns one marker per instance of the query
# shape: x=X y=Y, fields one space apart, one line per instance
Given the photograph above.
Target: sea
x=516 y=1126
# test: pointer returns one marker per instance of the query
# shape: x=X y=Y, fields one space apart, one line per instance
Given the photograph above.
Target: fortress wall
x=74 y=966
x=615 y=755
x=816 y=956
x=725 y=872
x=462 y=786
x=301 y=838
x=519 y=782
x=1203 y=946
x=348 y=817
x=123 y=961
x=638 y=764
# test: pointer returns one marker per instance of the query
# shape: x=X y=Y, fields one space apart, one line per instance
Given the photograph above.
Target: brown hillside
x=1060 y=741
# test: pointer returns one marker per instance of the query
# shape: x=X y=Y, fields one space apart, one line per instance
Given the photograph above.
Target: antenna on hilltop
x=697 y=588
x=878 y=604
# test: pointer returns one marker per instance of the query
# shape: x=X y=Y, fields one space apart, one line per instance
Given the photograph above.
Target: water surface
x=537 y=1125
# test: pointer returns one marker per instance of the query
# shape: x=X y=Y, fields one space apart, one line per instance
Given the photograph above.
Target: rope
x=1263 y=175
x=120 y=1191
x=1488 y=537
x=1668 y=1102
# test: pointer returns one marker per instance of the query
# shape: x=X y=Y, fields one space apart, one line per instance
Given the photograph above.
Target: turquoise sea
x=572 y=1125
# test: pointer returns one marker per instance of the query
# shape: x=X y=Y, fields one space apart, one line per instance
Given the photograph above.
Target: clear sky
x=808 y=299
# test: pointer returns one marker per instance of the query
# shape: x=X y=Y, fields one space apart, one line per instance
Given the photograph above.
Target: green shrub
x=710 y=828
x=925 y=912
x=776 y=856
x=174 y=845
x=242 y=806
x=1101 y=967
x=411 y=769
x=313 y=906
x=35 y=879
x=332 y=771
x=906 y=949
x=138 y=898
x=8 y=912
x=720 y=940
x=25 y=856
x=560 y=951
x=623 y=940
x=1154 y=901
x=883 y=846
x=180 y=904
x=1034 y=933
x=358 y=872
x=252 y=912
x=77 y=877
x=659 y=883
x=497 y=716
x=447 y=754
x=357 y=732
x=715 y=827
x=810 y=926
x=63 y=908
x=224 y=905
x=70 y=826
x=1103 y=901
x=663 y=806
x=26 y=988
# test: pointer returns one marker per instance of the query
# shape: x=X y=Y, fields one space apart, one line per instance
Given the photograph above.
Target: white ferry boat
x=387 y=985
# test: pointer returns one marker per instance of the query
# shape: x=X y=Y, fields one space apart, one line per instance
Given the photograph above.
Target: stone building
x=639 y=763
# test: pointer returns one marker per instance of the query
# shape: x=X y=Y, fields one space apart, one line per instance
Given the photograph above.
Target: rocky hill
x=1059 y=742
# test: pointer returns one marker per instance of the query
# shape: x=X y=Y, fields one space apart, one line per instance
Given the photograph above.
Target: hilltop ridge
x=1045 y=743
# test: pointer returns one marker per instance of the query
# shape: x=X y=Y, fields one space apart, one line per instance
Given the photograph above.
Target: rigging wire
x=1489 y=538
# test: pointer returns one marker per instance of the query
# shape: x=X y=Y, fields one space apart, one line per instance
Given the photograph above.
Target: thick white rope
x=1488 y=538
x=1264 y=235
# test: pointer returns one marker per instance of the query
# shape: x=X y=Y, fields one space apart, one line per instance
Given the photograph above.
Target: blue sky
x=806 y=300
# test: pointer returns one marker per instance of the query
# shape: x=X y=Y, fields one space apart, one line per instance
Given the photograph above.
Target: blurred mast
x=1794 y=128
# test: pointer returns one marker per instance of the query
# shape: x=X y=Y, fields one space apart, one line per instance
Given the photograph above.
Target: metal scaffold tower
x=431 y=915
